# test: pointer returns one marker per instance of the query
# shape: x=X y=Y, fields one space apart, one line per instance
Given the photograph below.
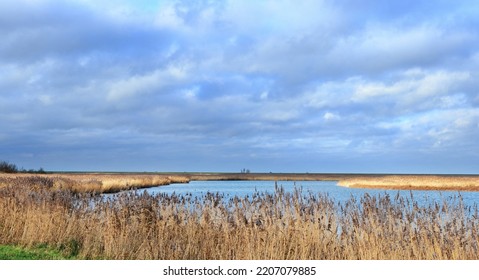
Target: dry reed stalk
x=99 y=183
x=265 y=226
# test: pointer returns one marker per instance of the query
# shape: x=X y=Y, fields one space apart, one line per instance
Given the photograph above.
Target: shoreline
x=88 y=182
x=110 y=182
x=414 y=182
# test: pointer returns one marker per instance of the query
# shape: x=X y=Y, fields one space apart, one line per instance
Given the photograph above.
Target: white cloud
x=191 y=94
x=328 y=116
x=134 y=86
x=404 y=91
x=147 y=83
x=438 y=128
x=454 y=100
x=168 y=18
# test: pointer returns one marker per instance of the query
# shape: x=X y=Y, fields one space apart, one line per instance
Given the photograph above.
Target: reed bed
x=98 y=183
x=299 y=226
x=413 y=182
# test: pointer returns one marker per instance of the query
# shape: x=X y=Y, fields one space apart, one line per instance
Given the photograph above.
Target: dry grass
x=115 y=182
x=278 y=226
x=99 y=183
x=413 y=182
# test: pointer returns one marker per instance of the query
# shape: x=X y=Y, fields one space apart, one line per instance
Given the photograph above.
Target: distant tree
x=8 y=167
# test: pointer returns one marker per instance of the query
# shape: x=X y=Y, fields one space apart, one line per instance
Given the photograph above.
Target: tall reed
x=282 y=225
x=98 y=183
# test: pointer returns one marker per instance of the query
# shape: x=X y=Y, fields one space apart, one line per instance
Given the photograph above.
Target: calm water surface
x=340 y=194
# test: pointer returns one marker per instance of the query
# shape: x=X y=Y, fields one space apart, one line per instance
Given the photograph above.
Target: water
x=339 y=194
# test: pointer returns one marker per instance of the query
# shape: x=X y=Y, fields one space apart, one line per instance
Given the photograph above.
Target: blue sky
x=281 y=86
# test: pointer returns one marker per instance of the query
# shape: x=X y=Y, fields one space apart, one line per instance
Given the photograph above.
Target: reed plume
x=279 y=225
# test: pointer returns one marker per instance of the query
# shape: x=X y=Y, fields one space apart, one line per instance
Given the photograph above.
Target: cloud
x=66 y=29
x=147 y=83
x=220 y=85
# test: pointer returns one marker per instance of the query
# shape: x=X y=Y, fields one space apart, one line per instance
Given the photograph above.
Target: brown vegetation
x=278 y=226
x=98 y=183
x=413 y=182
x=115 y=182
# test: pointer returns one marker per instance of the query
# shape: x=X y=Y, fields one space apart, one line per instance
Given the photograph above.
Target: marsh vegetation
x=279 y=225
x=413 y=182
x=89 y=182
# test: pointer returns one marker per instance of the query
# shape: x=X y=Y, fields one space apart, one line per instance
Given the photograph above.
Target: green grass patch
x=11 y=252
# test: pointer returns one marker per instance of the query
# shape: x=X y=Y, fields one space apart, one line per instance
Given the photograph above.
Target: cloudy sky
x=210 y=85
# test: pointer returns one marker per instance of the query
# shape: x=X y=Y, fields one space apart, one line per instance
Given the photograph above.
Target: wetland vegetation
x=36 y=210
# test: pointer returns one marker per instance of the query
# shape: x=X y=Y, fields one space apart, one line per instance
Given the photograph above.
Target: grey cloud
x=64 y=29
x=202 y=86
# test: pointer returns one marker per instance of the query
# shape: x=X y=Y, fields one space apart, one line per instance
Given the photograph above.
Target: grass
x=116 y=182
x=88 y=183
x=10 y=252
x=413 y=182
x=282 y=225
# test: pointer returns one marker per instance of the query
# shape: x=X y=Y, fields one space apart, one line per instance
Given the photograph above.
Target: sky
x=343 y=86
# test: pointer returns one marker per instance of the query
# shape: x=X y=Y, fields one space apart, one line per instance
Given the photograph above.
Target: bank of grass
x=296 y=226
x=413 y=182
x=10 y=252
x=89 y=182
x=116 y=182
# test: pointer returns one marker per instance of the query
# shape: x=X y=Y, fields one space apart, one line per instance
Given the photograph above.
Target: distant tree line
x=6 y=167
x=244 y=170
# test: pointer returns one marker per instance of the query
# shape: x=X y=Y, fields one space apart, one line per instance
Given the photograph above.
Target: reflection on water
x=230 y=189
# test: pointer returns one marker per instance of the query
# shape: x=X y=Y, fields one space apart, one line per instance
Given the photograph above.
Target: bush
x=8 y=167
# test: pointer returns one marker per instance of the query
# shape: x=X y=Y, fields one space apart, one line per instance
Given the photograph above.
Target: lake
x=339 y=194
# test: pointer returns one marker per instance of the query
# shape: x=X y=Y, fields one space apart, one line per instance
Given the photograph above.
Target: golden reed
x=90 y=182
x=136 y=225
x=413 y=182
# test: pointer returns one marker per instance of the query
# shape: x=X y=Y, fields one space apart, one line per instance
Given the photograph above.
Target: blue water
x=339 y=194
